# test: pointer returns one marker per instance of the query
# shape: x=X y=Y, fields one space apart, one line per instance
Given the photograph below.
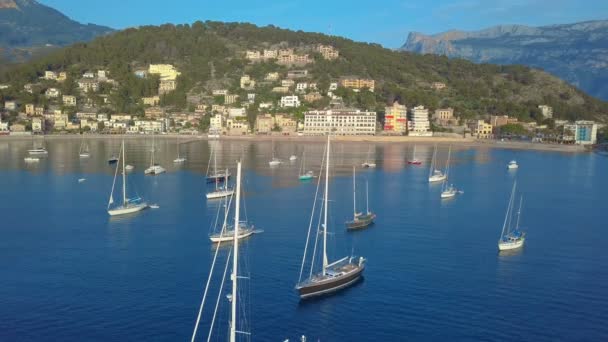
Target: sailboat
x=434 y=174
x=235 y=327
x=84 y=150
x=511 y=237
x=368 y=163
x=129 y=205
x=512 y=165
x=274 y=161
x=414 y=160
x=220 y=192
x=179 y=159
x=448 y=191
x=305 y=175
x=360 y=220
x=216 y=176
x=37 y=150
x=333 y=276
x=154 y=168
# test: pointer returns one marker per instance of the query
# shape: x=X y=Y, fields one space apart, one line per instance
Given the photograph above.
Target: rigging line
x=310 y=223
x=219 y=295
x=209 y=163
x=200 y=310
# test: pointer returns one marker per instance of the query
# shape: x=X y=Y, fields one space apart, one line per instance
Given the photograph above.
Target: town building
x=52 y=93
x=150 y=126
x=585 y=132
x=86 y=116
x=154 y=113
x=219 y=92
x=237 y=112
x=38 y=125
x=230 y=98
x=444 y=116
x=357 y=83
x=10 y=105
x=38 y=111
x=482 y=129
x=297 y=73
x=89 y=75
x=216 y=123
x=120 y=117
x=102 y=75
x=237 y=126
x=30 y=109
x=265 y=105
x=546 y=111
x=438 y=85
x=501 y=120
x=69 y=100
x=328 y=52
x=272 y=76
x=264 y=124
x=270 y=54
x=4 y=86
x=247 y=82
x=287 y=83
x=87 y=85
x=166 y=86
x=290 y=101
x=29 y=88
x=165 y=71
x=253 y=55
x=312 y=97
x=302 y=86
x=62 y=76
x=286 y=124
x=281 y=90
x=419 y=124
x=395 y=119
x=339 y=122
x=17 y=128
x=50 y=75
x=151 y=101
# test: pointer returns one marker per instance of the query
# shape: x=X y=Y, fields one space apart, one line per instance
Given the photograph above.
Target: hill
x=211 y=55
x=27 y=24
x=577 y=53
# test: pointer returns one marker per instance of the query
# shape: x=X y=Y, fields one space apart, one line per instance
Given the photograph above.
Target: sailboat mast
x=433 y=161
x=354 y=196
x=326 y=207
x=124 y=176
x=367 y=196
x=519 y=212
x=235 y=254
x=504 y=225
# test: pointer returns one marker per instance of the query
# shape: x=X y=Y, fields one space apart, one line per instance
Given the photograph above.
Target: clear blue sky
x=386 y=21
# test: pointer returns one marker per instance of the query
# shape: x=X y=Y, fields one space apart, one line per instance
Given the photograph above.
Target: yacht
x=511 y=236
x=434 y=174
x=154 y=169
x=129 y=205
x=512 y=165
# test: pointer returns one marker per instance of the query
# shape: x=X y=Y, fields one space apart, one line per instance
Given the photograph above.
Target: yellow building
x=264 y=123
x=395 y=119
x=30 y=109
x=166 y=71
x=483 y=130
x=237 y=126
x=358 y=83
x=286 y=123
x=151 y=101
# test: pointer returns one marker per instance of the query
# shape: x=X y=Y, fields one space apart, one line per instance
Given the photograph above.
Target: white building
x=236 y=112
x=216 y=123
x=419 y=124
x=52 y=93
x=69 y=100
x=147 y=126
x=546 y=111
x=50 y=75
x=290 y=101
x=10 y=105
x=302 y=86
x=585 y=132
x=340 y=122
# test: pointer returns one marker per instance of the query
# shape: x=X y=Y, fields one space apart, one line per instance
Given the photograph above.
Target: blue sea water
x=68 y=272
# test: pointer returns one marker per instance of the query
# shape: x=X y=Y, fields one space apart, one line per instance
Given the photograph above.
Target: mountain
x=28 y=27
x=211 y=55
x=577 y=53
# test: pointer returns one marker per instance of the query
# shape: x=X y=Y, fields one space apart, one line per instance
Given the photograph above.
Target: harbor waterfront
x=70 y=272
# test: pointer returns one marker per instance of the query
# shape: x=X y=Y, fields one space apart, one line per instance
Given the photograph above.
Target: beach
x=463 y=142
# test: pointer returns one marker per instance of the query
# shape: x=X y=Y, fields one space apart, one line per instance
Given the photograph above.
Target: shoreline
x=463 y=142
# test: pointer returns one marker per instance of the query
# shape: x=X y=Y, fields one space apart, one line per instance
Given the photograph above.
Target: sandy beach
x=463 y=142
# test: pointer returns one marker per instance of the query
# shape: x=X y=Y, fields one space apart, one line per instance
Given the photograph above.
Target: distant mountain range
x=28 y=27
x=577 y=53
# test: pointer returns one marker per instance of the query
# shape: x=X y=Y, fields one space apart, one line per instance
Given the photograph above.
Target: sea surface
x=69 y=272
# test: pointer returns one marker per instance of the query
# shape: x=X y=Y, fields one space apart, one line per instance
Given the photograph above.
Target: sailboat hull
x=84 y=155
x=37 y=151
x=330 y=284
x=219 y=194
x=154 y=170
x=448 y=194
x=436 y=178
x=129 y=209
x=361 y=222
x=228 y=236
x=214 y=179
x=510 y=245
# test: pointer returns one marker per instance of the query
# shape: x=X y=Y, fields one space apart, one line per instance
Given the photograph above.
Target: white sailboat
x=274 y=161
x=31 y=159
x=154 y=169
x=83 y=152
x=448 y=191
x=511 y=236
x=179 y=159
x=512 y=165
x=434 y=174
x=235 y=328
x=129 y=205
x=305 y=175
x=37 y=150
x=360 y=220
x=368 y=163
x=219 y=191
x=333 y=276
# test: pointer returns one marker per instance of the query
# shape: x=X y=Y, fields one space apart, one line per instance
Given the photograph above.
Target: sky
x=386 y=22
